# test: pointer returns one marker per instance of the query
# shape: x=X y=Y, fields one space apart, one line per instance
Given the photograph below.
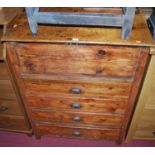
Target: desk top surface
x=18 y=30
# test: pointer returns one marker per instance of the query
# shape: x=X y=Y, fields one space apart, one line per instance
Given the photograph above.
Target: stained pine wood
x=77 y=59
x=68 y=131
x=90 y=119
x=53 y=91
x=8 y=13
x=4 y=75
x=112 y=89
x=6 y=90
x=10 y=107
x=141 y=64
x=18 y=30
x=83 y=10
x=12 y=113
x=13 y=123
x=86 y=104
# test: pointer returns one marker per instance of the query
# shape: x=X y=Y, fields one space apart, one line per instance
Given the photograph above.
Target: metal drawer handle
x=76 y=118
x=76 y=105
x=76 y=133
x=29 y=64
x=2 y=108
x=100 y=53
x=75 y=90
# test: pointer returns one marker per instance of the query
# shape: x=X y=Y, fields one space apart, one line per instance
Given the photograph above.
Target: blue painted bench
x=151 y=23
x=82 y=19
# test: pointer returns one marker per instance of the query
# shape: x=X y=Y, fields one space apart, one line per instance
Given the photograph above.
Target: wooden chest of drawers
x=143 y=121
x=12 y=114
x=84 y=88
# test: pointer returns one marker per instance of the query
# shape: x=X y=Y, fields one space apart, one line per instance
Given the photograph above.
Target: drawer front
x=76 y=118
x=113 y=89
x=10 y=107
x=77 y=132
x=3 y=71
x=12 y=122
x=77 y=59
x=147 y=120
x=78 y=104
x=145 y=134
x=146 y=125
x=150 y=100
x=6 y=90
x=148 y=115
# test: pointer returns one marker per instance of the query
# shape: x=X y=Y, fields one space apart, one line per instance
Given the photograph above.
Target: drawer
x=12 y=122
x=78 y=104
x=76 y=118
x=145 y=134
x=77 y=59
x=112 y=89
x=148 y=115
x=147 y=120
x=77 y=132
x=3 y=71
x=150 y=103
x=10 y=107
x=6 y=90
x=146 y=125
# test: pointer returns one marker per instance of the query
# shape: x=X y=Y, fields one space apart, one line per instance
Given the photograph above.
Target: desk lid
x=18 y=30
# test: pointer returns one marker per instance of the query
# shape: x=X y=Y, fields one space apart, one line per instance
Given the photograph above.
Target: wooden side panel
x=12 y=59
x=84 y=104
x=77 y=118
x=77 y=59
x=142 y=100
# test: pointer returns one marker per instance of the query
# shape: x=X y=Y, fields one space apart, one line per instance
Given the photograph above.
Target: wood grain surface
x=76 y=118
x=10 y=107
x=112 y=89
x=19 y=30
x=85 y=104
x=86 y=65
x=85 y=133
x=14 y=123
x=77 y=59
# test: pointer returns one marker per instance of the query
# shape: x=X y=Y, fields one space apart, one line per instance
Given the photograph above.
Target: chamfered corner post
x=128 y=22
x=30 y=11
